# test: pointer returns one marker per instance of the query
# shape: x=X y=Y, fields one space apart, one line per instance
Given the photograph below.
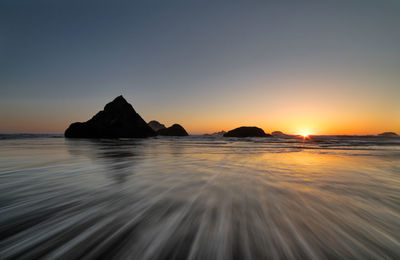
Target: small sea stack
x=220 y=133
x=278 y=134
x=388 y=134
x=118 y=120
x=246 y=131
x=155 y=125
x=174 y=130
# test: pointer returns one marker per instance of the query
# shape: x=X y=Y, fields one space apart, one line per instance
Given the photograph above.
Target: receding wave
x=28 y=136
x=200 y=198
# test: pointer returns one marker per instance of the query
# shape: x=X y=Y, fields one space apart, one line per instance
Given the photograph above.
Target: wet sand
x=200 y=198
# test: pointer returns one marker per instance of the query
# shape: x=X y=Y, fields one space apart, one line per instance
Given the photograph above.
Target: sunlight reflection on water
x=200 y=198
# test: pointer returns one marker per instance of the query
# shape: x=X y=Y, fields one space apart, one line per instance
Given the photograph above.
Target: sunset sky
x=328 y=67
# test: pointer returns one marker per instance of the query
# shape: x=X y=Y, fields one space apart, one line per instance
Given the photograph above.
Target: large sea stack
x=246 y=131
x=174 y=130
x=118 y=120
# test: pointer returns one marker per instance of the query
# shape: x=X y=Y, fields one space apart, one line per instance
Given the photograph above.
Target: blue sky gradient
x=208 y=65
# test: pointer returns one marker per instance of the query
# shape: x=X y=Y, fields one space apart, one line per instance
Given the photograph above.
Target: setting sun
x=305 y=133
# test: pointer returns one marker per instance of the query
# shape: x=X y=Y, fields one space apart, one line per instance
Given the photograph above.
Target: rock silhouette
x=118 y=119
x=278 y=134
x=246 y=131
x=220 y=133
x=155 y=125
x=388 y=134
x=174 y=130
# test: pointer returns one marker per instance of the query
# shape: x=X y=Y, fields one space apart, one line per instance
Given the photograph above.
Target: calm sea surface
x=200 y=198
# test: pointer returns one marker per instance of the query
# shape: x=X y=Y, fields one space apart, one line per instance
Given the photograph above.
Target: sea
x=200 y=197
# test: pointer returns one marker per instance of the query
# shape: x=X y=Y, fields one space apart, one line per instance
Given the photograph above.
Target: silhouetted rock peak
x=174 y=130
x=119 y=103
x=388 y=134
x=118 y=119
x=246 y=131
x=155 y=125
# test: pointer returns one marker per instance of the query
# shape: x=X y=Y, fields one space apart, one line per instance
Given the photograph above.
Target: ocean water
x=328 y=197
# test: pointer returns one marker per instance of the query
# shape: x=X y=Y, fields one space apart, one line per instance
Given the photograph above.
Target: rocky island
x=118 y=120
x=220 y=133
x=174 y=130
x=246 y=131
x=388 y=134
x=279 y=134
x=155 y=125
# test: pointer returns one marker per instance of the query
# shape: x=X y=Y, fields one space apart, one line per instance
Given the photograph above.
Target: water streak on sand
x=200 y=198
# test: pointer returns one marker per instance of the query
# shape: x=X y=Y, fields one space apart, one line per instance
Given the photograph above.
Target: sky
x=326 y=67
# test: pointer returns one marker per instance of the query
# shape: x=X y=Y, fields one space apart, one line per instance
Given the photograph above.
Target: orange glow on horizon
x=305 y=134
x=306 y=113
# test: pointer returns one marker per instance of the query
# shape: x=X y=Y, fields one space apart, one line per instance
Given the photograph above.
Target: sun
x=305 y=133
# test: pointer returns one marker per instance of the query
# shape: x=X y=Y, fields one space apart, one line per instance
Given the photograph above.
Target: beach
x=200 y=197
